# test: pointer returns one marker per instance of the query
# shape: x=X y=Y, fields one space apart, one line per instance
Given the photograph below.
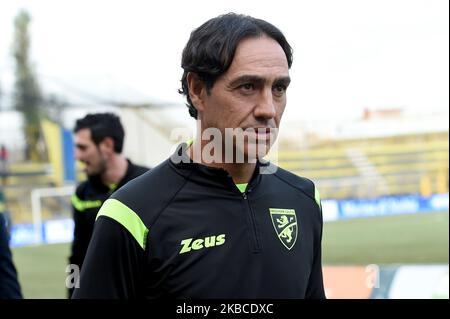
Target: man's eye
x=280 y=89
x=247 y=86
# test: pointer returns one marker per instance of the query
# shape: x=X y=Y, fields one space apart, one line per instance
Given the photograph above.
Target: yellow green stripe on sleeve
x=125 y=216
x=82 y=205
x=317 y=197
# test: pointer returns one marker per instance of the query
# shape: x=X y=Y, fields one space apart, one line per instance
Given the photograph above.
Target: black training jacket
x=184 y=230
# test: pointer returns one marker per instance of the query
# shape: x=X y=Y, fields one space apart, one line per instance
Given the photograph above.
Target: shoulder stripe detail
x=317 y=196
x=82 y=205
x=125 y=216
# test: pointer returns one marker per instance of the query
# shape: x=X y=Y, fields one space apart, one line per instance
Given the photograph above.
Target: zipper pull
x=245 y=194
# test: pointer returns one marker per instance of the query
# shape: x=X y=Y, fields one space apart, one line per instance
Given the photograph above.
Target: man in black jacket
x=9 y=285
x=215 y=220
x=99 y=142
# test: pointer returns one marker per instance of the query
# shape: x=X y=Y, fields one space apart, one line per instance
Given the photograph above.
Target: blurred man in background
x=9 y=285
x=99 y=143
x=202 y=227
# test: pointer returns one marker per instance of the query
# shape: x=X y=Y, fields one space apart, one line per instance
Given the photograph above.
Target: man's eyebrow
x=283 y=80
x=247 y=78
x=258 y=79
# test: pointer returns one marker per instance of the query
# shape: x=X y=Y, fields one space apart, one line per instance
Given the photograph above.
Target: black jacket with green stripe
x=86 y=202
x=184 y=230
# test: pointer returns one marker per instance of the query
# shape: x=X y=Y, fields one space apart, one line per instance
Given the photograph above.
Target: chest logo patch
x=285 y=223
x=196 y=244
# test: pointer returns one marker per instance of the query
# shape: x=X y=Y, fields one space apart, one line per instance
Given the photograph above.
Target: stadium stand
x=367 y=168
x=22 y=179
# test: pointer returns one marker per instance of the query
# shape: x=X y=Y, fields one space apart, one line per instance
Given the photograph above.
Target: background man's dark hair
x=103 y=125
x=211 y=48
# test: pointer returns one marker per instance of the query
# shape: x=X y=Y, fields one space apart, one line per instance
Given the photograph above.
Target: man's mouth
x=85 y=165
x=260 y=133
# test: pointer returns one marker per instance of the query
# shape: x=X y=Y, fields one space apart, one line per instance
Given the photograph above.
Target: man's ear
x=197 y=90
x=107 y=145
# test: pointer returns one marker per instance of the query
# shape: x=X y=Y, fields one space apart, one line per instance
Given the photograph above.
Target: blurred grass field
x=420 y=238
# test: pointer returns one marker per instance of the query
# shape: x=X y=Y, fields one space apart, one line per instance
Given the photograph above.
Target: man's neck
x=240 y=172
x=115 y=170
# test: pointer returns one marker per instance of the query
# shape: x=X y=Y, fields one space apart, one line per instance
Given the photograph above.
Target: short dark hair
x=103 y=125
x=211 y=48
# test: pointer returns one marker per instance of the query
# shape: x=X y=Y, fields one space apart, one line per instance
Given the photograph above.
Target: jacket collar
x=96 y=180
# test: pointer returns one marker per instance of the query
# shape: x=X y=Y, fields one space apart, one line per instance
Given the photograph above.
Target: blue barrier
x=392 y=205
x=24 y=234
x=52 y=231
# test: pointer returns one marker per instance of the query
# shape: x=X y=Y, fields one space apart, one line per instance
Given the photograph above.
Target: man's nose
x=265 y=109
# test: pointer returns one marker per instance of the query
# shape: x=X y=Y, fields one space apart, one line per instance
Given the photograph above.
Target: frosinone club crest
x=285 y=223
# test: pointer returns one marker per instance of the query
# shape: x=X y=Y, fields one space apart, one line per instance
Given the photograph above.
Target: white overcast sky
x=348 y=55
